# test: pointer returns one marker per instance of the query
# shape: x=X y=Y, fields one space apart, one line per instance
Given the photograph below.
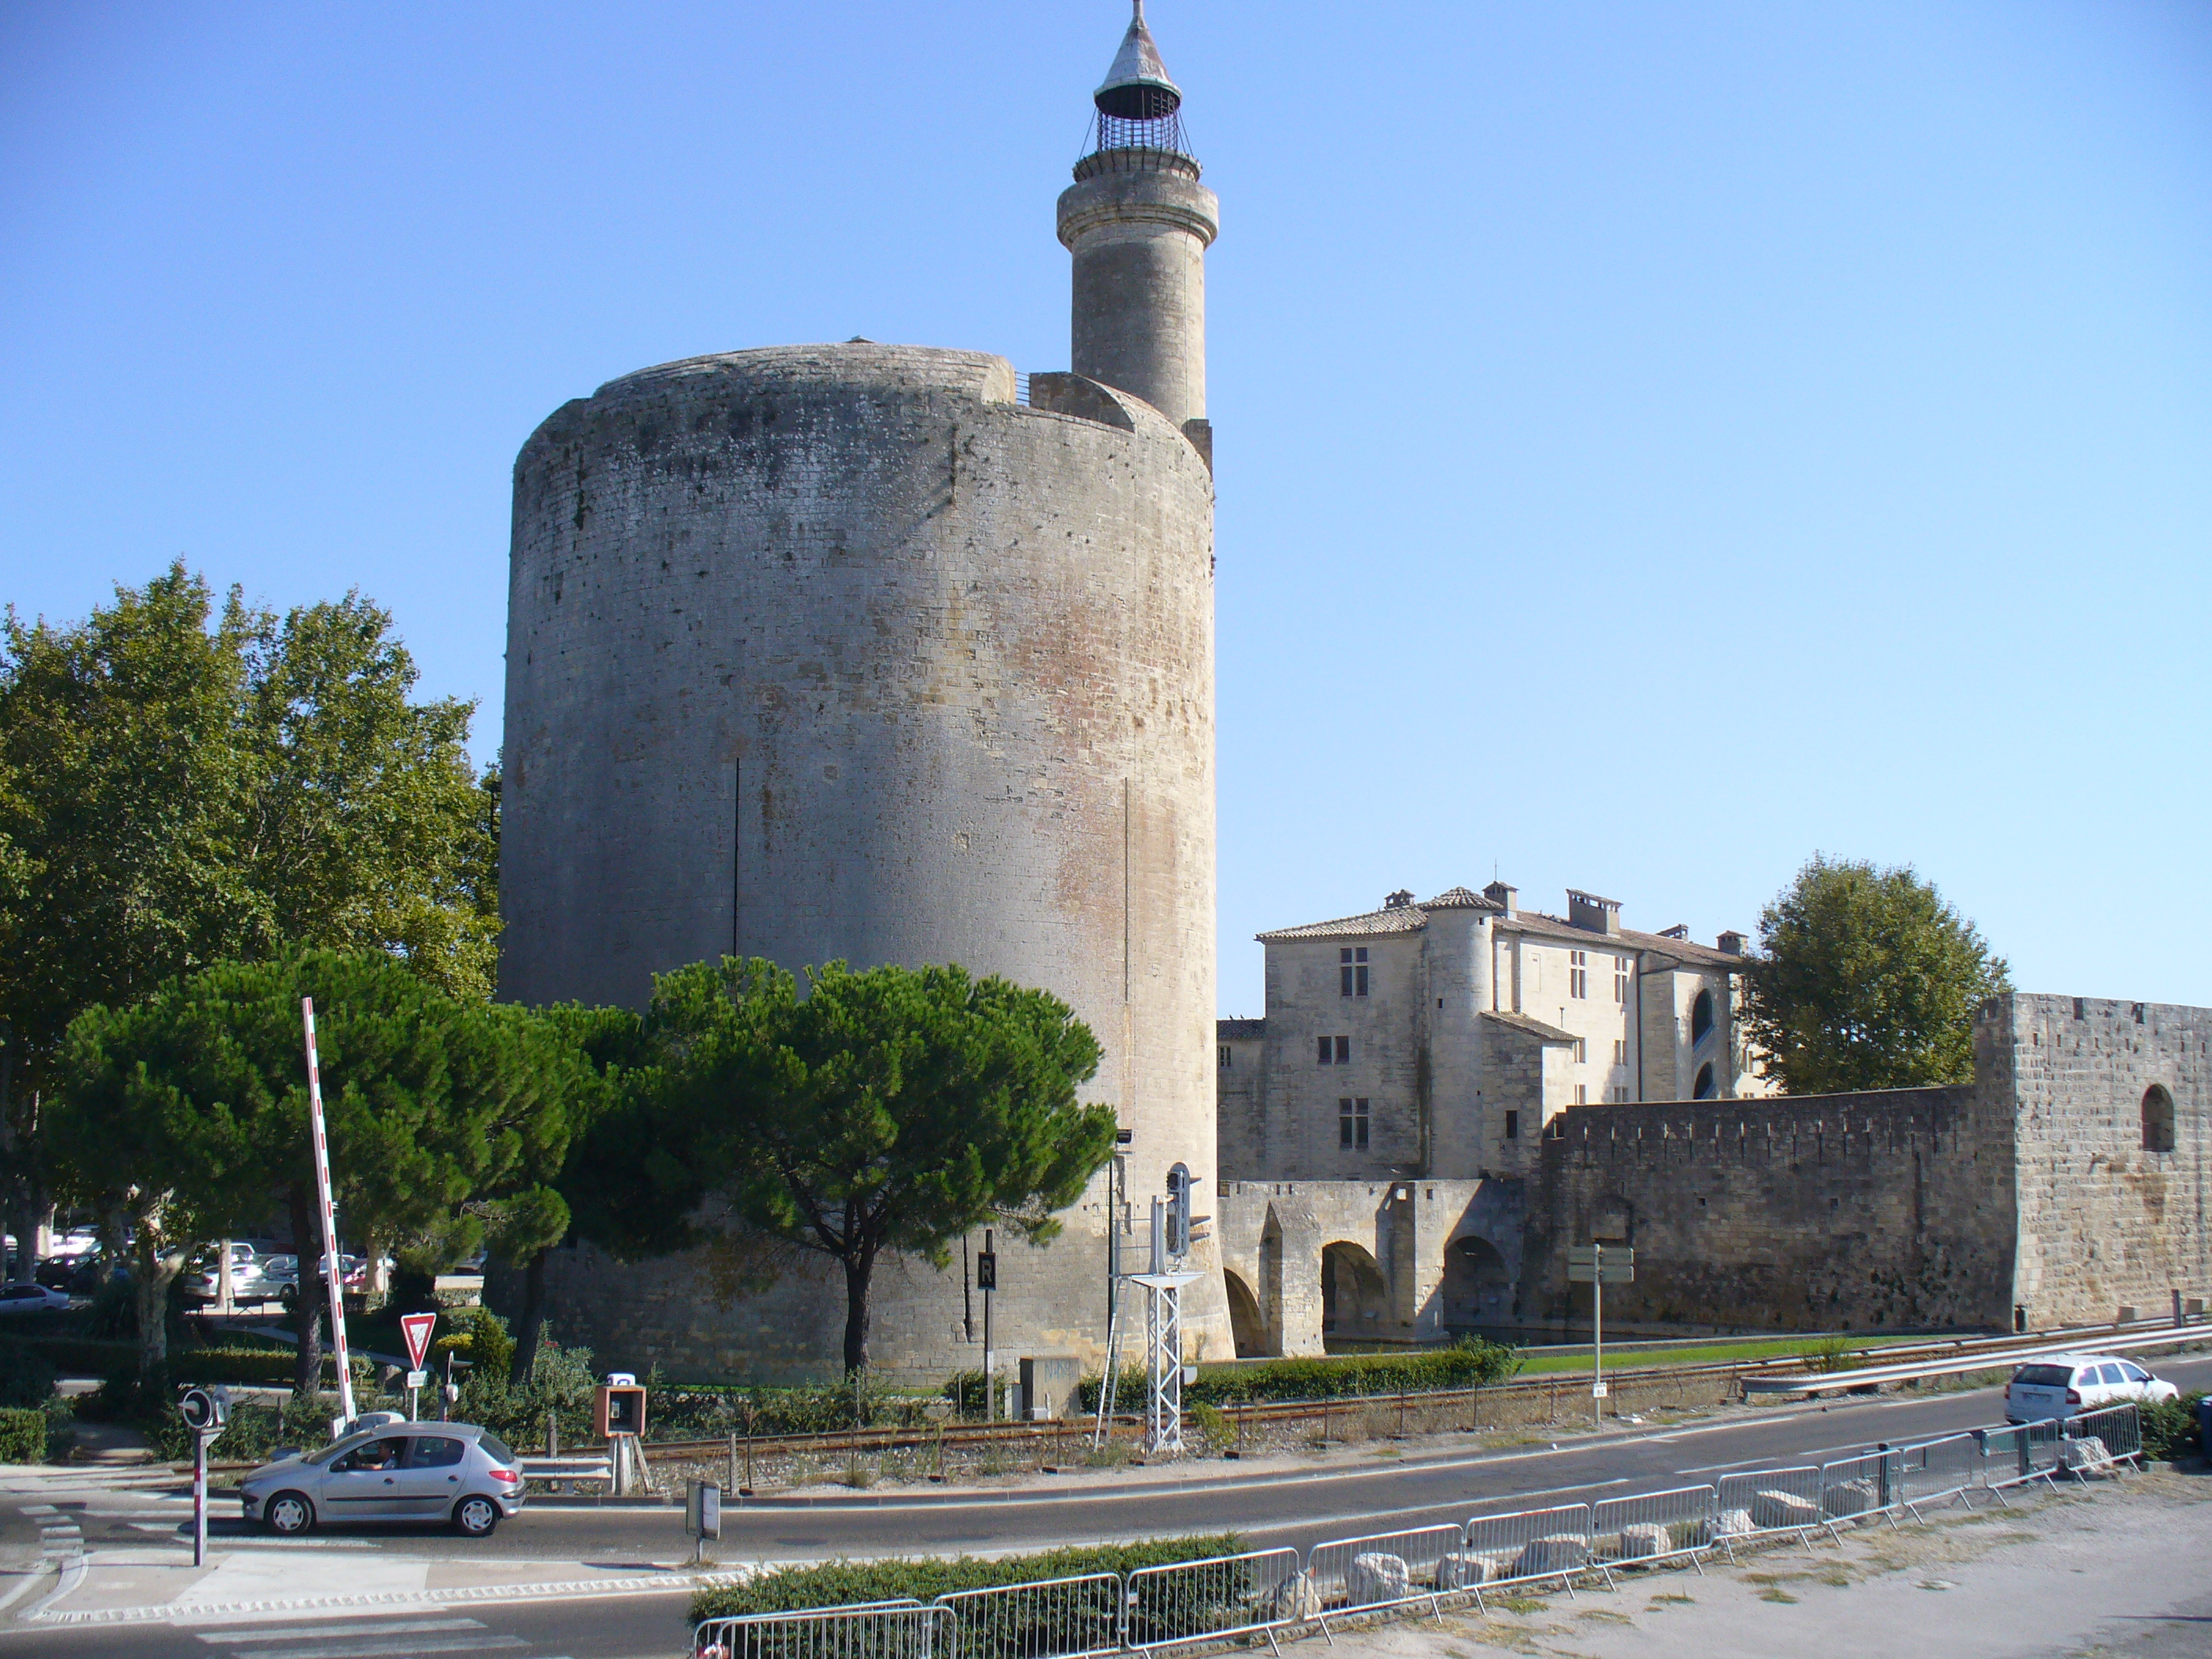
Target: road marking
x=39 y=1509
x=400 y=1648
x=318 y=1632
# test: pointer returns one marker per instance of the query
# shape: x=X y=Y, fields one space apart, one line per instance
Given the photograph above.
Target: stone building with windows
x=1444 y=1037
x=1444 y=1095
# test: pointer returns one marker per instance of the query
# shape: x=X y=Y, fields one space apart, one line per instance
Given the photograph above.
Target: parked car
x=2067 y=1384
x=31 y=1298
x=77 y=1275
x=449 y=1474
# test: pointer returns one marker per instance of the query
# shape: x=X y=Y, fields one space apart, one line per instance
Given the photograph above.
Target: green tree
x=183 y=782
x=1865 y=978
x=185 y=1114
x=891 y=1110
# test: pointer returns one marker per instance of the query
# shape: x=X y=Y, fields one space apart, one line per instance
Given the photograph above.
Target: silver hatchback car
x=455 y=1473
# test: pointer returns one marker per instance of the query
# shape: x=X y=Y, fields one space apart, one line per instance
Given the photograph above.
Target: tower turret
x=1138 y=222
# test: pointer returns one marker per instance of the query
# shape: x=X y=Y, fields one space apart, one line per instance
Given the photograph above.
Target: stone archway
x=1478 y=1289
x=1355 y=1298
x=1245 y=1325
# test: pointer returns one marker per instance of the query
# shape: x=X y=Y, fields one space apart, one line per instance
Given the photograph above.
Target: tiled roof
x=1398 y=919
x=1535 y=1028
x=1230 y=1030
x=1458 y=898
x=1682 y=949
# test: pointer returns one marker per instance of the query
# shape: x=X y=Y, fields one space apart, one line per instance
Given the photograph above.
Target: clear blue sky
x=1654 y=442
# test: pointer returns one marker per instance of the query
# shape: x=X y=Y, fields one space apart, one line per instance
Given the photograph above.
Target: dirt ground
x=2117 y=1568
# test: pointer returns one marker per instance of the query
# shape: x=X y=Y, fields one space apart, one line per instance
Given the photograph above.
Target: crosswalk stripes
x=358 y=1638
x=59 y=1535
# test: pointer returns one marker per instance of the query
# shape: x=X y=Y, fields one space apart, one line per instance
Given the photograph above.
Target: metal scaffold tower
x=1162 y=1287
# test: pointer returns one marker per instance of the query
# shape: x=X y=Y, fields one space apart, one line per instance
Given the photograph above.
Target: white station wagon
x=2067 y=1384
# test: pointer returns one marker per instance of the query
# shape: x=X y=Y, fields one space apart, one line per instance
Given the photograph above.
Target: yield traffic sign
x=416 y=1328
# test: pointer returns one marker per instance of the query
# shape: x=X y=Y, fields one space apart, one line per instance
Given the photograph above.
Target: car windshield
x=2043 y=1377
x=494 y=1448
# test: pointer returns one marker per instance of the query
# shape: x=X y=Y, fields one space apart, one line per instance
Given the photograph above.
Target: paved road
x=1298 y=1511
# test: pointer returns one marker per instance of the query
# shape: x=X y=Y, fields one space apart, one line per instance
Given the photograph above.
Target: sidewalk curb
x=561 y=1589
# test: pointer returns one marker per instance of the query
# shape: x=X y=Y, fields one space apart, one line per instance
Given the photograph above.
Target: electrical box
x=621 y=1409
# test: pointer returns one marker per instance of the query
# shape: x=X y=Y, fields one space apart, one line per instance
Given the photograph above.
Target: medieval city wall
x=1885 y=1210
x=2106 y=1219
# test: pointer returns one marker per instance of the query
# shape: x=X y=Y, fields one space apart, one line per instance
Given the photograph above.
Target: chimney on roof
x=1732 y=943
x=1399 y=900
x=1599 y=915
x=1680 y=930
x=1509 y=898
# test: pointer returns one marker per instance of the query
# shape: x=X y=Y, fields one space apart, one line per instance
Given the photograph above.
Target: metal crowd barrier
x=1230 y=1595
x=1764 y=1503
x=1092 y=1615
x=1862 y=1486
x=1385 y=1570
x=904 y=1628
x=2115 y=1432
x=1527 y=1546
x=1938 y=1469
x=2022 y=1452
x=1655 y=1527
x=1047 y=1618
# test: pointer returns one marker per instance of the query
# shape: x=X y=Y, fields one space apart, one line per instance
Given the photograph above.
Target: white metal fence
x=1386 y=1569
x=1087 y=1616
x=1680 y=1523
x=1763 y=1504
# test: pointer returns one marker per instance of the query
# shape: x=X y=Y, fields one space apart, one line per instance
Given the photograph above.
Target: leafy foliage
x=559 y=1382
x=889 y=1110
x=840 y=1584
x=22 y=1435
x=2171 y=1429
x=1865 y=978
x=26 y=1377
x=185 y=1116
x=1467 y=1364
x=681 y=1412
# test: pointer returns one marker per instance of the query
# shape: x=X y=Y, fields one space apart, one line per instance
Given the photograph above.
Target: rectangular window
x=1222 y=1058
x=1581 y=1094
x=1621 y=1051
x=1352 y=1123
x=1352 y=971
x=1582 y=1050
x=1620 y=1097
x=1333 y=1051
x=1513 y=1126
x=1620 y=978
x=1577 y=973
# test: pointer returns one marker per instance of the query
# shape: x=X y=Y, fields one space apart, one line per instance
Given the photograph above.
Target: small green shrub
x=839 y=1584
x=2171 y=1430
x=22 y=1436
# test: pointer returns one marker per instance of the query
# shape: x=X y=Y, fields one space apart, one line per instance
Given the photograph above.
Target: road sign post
x=206 y=1412
x=415 y=1328
x=1593 y=1265
x=703 y=1515
x=987 y=1281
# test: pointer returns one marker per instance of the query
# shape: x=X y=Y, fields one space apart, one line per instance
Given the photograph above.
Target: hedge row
x=1463 y=1365
x=22 y=1436
x=84 y=1356
x=2172 y=1431
x=840 y=1584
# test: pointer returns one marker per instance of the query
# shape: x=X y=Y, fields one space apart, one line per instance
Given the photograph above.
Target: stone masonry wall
x=1842 y=1212
x=2103 y=1221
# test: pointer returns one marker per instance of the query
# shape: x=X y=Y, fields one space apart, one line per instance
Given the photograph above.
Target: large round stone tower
x=849 y=652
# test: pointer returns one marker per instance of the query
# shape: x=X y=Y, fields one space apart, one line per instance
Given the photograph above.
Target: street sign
x=1606 y=1272
x=1599 y=1391
x=416 y=1328
x=987 y=1270
x=418 y=1379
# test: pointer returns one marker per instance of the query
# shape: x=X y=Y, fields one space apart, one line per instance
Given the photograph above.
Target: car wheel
x=475 y=1518
x=288 y=1296
x=288 y=1514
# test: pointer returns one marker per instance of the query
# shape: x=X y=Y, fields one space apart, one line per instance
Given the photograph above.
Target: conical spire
x=1137 y=87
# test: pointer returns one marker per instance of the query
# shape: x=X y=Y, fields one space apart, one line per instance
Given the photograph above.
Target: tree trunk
x=527 y=1323
x=858 y=1270
x=307 y=1294
x=156 y=1267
